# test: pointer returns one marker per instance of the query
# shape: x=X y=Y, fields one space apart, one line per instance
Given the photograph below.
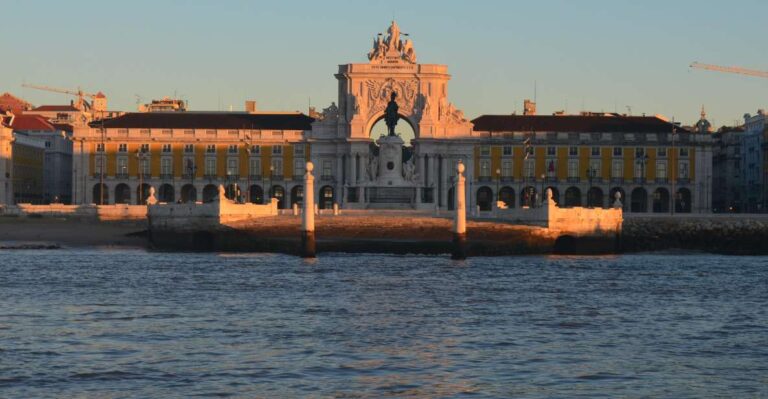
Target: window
x=327 y=169
x=189 y=165
x=210 y=166
x=189 y=132
x=210 y=148
x=529 y=168
x=144 y=166
x=595 y=151
x=573 y=151
x=254 y=167
x=277 y=167
x=47 y=144
x=683 y=172
x=639 y=152
x=573 y=168
x=639 y=170
x=189 y=148
x=255 y=149
x=551 y=168
x=485 y=168
x=661 y=169
x=595 y=167
x=122 y=165
x=232 y=149
x=684 y=152
x=298 y=167
x=661 y=152
x=165 y=166
x=506 y=169
x=617 y=168
x=99 y=169
x=277 y=150
x=144 y=131
x=167 y=131
x=100 y=147
x=298 y=150
x=122 y=147
x=551 y=151
x=485 y=151
x=166 y=148
x=617 y=151
x=232 y=169
x=507 y=150
x=144 y=148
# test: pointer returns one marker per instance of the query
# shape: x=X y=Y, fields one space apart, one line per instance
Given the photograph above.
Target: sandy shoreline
x=70 y=233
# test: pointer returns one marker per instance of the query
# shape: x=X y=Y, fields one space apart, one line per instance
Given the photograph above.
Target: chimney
x=529 y=107
x=250 y=106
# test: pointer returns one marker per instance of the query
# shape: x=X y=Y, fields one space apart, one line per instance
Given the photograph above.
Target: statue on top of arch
x=392 y=47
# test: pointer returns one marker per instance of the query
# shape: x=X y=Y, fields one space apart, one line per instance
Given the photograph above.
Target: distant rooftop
x=55 y=108
x=574 y=123
x=31 y=123
x=211 y=120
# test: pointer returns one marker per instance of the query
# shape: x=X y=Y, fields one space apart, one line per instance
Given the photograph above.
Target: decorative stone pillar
x=460 y=217
x=308 y=247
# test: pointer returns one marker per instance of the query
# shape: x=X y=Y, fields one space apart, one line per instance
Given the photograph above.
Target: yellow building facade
x=186 y=156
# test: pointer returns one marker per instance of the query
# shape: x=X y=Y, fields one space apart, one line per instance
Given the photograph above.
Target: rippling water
x=109 y=324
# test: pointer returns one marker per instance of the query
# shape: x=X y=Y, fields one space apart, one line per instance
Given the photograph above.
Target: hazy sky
x=593 y=55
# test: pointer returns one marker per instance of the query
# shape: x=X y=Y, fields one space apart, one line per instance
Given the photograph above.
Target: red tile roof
x=210 y=120
x=57 y=108
x=9 y=102
x=573 y=123
x=31 y=122
x=99 y=95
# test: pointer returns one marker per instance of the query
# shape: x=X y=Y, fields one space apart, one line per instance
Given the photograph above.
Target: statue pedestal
x=390 y=161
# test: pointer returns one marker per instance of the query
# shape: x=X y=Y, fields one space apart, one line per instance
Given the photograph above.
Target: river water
x=130 y=323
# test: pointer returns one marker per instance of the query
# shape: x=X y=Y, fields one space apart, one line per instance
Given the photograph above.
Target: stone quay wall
x=115 y=212
x=212 y=215
x=726 y=234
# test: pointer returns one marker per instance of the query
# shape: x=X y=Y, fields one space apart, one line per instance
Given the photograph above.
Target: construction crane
x=98 y=100
x=739 y=70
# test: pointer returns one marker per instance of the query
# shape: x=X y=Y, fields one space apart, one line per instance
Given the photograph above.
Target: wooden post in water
x=460 y=218
x=308 y=247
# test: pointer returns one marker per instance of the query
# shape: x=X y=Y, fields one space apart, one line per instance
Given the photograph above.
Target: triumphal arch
x=361 y=171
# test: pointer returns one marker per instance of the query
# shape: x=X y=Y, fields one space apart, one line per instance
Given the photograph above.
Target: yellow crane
x=98 y=100
x=730 y=69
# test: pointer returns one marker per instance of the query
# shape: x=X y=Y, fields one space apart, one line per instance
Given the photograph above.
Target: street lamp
x=140 y=157
x=498 y=180
x=271 y=171
x=248 y=174
x=541 y=194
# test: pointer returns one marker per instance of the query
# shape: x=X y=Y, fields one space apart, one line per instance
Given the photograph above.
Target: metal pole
x=674 y=175
x=103 y=150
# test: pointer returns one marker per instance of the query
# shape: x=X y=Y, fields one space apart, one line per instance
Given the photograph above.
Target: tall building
x=57 y=176
x=753 y=178
x=727 y=181
x=28 y=169
x=6 y=158
x=654 y=165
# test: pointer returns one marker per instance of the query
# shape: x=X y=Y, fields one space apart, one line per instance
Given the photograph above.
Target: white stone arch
x=378 y=116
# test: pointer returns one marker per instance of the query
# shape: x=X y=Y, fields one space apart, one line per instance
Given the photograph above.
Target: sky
x=613 y=56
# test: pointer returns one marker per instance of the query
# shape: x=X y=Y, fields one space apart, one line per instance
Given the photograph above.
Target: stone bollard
x=317 y=212
x=460 y=218
x=308 y=246
x=336 y=209
x=477 y=210
x=295 y=209
x=437 y=209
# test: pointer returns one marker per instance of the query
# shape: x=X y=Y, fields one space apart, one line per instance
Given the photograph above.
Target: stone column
x=460 y=217
x=443 y=200
x=308 y=247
